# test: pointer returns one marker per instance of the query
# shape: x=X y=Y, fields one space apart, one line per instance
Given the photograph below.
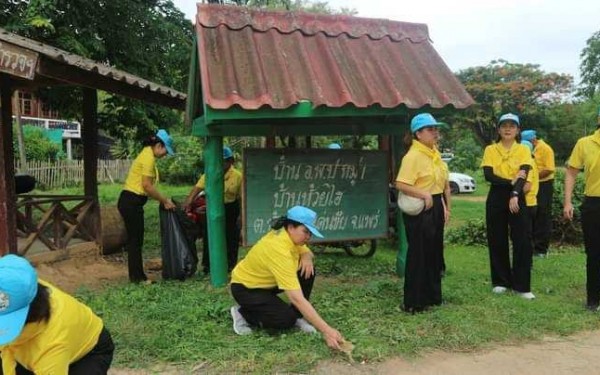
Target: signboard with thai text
x=17 y=61
x=347 y=188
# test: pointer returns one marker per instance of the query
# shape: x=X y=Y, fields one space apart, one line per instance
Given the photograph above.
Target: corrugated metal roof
x=58 y=55
x=254 y=58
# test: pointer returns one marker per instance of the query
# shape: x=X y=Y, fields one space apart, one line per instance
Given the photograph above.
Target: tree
x=590 y=67
x=502 y=87
x=148 y=38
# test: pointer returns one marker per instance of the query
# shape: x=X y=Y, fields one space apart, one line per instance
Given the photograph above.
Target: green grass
x=188 y=323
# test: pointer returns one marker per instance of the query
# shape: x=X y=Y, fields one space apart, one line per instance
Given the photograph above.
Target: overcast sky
x=551 y=33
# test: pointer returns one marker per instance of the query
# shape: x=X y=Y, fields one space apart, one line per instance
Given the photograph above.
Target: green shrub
x=186 y=166
x=472 y=233
x=38 y=145
x=563 y=231
x=467 y=155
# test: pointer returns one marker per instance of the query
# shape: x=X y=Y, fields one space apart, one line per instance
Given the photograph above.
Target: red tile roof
x=254 y=58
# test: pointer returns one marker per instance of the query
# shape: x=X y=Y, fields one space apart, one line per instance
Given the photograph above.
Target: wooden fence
x=65 y=173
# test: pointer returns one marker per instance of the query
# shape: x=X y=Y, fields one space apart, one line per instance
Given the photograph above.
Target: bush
x=467 y=155
x=186 y=166
x=563 y=231
x=38 y=145
x=472 y=233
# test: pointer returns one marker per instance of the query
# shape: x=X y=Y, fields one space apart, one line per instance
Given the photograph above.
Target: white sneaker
x=499 y=289
x=527 y=295
x=305 y=326
x=240 y=325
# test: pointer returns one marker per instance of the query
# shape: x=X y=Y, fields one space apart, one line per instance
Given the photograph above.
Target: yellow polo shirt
x=272 y=262
x=423 y=167
x=143 y=165
x=48 y=348
x=232 y=181
x=531 y=195
x=544 y=158
x=505 y=163
x=586 y=156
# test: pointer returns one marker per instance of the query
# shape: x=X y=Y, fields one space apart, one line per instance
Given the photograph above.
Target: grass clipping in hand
x=347 y=347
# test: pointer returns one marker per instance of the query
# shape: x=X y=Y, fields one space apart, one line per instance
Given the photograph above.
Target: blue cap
x=423 y=120
x=227 y=153
x=528 y=144
x=509 y=117
x=166 y=140
x=306 y=217
x=528 y=135
x=18 y=288
x=334 y=146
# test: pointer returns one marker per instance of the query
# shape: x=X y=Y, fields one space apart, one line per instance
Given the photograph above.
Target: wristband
x=514 y=193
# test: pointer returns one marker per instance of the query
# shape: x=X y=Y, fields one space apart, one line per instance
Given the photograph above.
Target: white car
x=461 y=183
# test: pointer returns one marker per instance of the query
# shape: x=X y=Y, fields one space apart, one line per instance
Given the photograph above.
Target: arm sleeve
x=488 y=173
x=518 y=186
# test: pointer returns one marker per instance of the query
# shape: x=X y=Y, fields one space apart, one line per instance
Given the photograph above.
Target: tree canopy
x=590 y=67
x=501 y=87
x=148 y=38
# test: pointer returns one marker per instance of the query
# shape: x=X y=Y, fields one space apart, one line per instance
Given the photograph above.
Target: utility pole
x=20 y=140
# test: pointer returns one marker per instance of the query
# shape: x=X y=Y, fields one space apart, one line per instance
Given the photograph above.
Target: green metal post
x=402 y=245
x=215 y=213
x=397 y=149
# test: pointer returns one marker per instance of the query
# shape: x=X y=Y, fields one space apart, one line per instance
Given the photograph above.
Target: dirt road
x=574 y=355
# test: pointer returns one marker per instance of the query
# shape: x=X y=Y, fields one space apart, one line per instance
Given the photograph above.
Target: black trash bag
x=24 y=183
x=178 y=244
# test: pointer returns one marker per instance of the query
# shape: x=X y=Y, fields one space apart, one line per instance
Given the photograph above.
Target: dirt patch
x=573 y=355
x=92 y=272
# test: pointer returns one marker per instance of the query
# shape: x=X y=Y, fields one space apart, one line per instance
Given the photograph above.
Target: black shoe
x=592 y=307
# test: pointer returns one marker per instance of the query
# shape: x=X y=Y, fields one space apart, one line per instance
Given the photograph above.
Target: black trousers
x=263 y=308
x=590 y=217
x=232 y=237
x=96 y=362
x=542 y=223
x=424 y=258
x=131 y=207
x=531 y=214
x=499 y=220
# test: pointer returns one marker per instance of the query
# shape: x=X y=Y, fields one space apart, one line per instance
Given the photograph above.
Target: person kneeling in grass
x=280 y=262
x=46 y=331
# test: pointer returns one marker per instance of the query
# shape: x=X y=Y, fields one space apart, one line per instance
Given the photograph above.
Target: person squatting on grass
x=586 y=156
x=46 y=331
x=232 y=191
x=506 y=165
x=280 y=262
x=423 y=174
x=543 y=156
x=531 y=193
x=139 y=185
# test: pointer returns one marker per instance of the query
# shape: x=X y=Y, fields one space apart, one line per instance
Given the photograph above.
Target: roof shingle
x=254 y=58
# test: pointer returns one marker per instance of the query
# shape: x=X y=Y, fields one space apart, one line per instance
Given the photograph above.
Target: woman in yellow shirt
x=506 y=165
x=232 y=191
x=586 y=156
x=44 y=330
x=280 y=262
x=423 y=174
x=139 y=185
